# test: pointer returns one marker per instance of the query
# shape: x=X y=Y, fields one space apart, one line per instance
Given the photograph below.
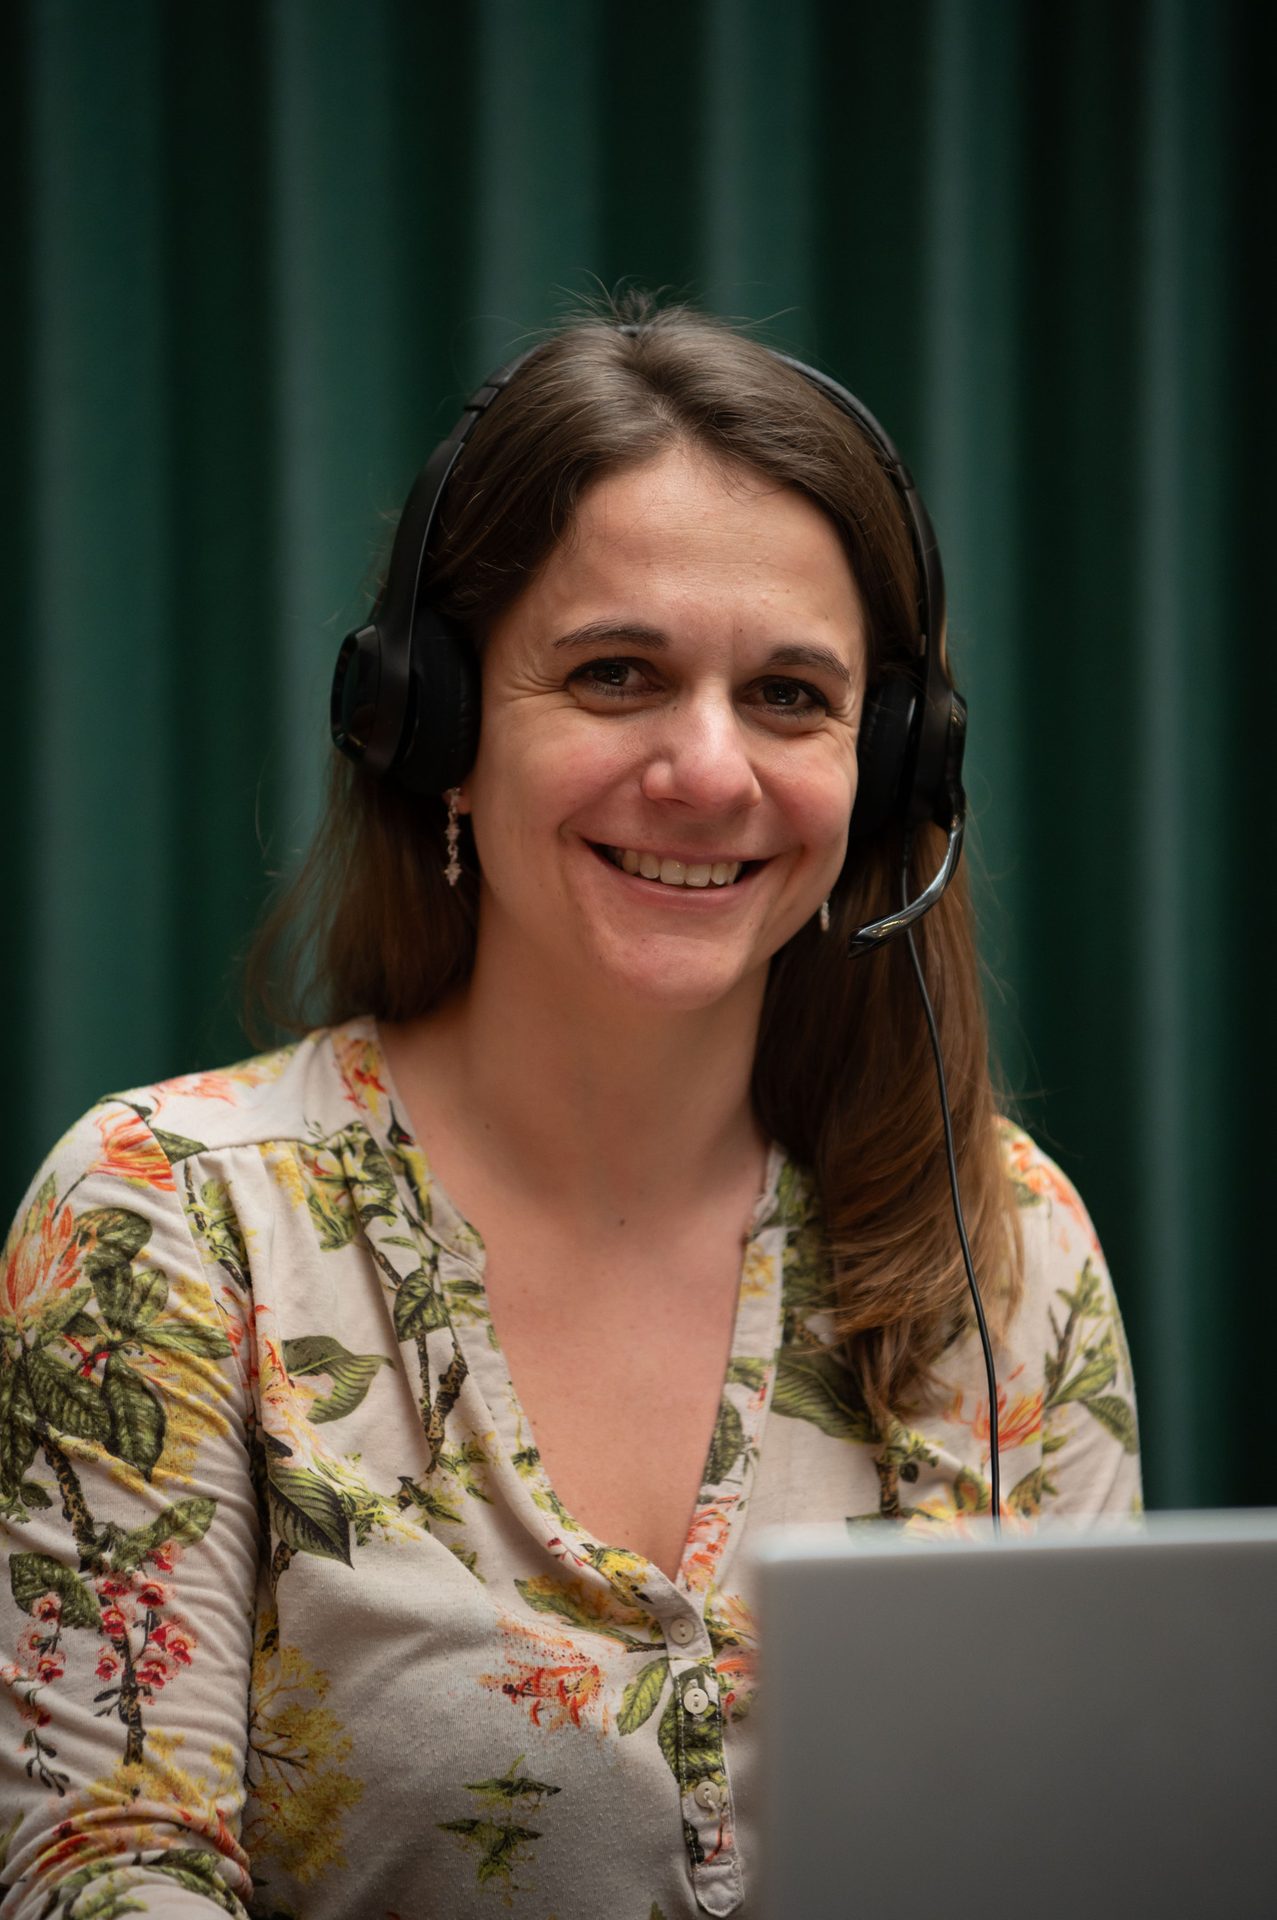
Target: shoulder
x=128 y=1151
x=1042 y=1191
x=1061 y=1248
x=307 y=1087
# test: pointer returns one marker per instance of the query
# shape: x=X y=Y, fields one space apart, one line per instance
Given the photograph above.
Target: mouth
x=670 y=871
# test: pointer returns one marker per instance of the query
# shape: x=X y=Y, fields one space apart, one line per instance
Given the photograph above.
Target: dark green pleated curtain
x=256 y=253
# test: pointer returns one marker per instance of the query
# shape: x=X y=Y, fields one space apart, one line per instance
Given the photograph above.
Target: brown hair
x=843 y=1076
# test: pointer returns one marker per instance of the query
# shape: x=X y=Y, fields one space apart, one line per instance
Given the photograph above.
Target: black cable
x=995 y=1480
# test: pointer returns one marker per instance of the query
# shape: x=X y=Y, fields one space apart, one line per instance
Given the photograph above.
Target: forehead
x=699 y=545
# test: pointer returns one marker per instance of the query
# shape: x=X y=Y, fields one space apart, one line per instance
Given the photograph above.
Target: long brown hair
x=843 y=1076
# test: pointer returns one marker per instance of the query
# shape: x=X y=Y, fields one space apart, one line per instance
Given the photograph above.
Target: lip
x=694 y=897
x=695 y=856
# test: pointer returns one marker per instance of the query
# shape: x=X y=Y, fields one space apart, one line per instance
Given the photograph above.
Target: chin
x=666 y=977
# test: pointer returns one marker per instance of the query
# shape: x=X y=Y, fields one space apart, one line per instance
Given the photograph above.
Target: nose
x=700 y=757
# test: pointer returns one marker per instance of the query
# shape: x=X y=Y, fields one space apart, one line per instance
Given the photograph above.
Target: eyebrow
x=821 y=659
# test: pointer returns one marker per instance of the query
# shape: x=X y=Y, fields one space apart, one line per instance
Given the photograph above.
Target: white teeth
x=675 y=873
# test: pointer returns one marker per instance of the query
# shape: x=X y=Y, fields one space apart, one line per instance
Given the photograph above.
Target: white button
x=709 y=1795
x=681 y=1631
x=696 y=1700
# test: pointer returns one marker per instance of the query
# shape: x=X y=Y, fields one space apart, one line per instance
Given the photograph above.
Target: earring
x=824 y=916
x=452 y=832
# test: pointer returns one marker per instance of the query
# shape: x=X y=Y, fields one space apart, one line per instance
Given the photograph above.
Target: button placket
x=704 y=1791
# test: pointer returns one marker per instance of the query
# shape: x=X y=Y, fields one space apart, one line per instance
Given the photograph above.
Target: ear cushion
x=441 y=731
x=882 y=754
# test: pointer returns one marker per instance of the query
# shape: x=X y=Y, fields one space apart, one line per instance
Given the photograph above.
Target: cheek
x=824 y=799
x=527 y=789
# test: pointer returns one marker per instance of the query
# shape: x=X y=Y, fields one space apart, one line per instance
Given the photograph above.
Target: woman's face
x=675 y=697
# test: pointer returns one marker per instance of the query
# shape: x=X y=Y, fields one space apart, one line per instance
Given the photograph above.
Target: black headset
x=405 y=695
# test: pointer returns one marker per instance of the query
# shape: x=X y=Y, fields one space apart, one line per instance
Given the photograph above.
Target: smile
x=675 y=873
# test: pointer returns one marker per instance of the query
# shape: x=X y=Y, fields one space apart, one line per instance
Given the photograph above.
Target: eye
x=792 y=698
x=614 y=679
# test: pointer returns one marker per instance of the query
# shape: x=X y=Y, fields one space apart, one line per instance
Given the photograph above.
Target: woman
x=386 y=1418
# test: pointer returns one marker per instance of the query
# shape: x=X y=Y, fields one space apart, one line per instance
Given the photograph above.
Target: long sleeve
x=133 y=1541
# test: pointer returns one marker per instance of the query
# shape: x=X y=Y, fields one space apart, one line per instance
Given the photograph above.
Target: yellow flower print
x=298 y=1767
x=280 y=1157
x=156 y=1790
x=758 y=1276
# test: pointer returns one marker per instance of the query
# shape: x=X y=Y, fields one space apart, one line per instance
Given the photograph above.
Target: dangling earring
x=824 y=916
x=452 y=872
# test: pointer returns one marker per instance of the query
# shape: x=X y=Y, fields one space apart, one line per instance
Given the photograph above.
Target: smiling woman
x=384 y=1420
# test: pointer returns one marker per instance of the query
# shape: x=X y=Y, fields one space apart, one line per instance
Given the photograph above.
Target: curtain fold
x=259 y=252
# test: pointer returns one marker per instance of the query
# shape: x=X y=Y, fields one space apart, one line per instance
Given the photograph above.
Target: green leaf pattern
x=364 y=1506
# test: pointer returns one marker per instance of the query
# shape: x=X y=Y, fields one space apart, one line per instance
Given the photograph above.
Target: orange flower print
x=360 y=1062
x=563 y=1694
x=1018 y=1422
x=222 y=1085
x=1039 y=1177
x=41 y=1260
x=705 y=1541
x=736 y=1671
x=200 y=1086
x=563 y=1690
x=131 y=1151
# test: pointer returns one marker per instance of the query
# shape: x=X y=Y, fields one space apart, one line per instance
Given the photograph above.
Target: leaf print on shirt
x=351 y=1374
x=215 y=1225
x=87 y=1317
x=901 y=1456
x=316 y=1495
x=499 y=1838
x=968 y=1497
x=590 y=1607
x=1085 y=1364
x=733 y=1634
x=812 y=1383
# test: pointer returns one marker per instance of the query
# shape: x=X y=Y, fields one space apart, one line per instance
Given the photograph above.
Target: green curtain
x=258 y=252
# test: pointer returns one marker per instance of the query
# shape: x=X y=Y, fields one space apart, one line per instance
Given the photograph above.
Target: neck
x=615 y=1111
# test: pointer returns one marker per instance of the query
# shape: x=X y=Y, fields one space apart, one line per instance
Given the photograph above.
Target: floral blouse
x=295 y=1622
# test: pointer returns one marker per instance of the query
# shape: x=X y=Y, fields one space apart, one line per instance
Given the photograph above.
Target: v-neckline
x=718 y=1513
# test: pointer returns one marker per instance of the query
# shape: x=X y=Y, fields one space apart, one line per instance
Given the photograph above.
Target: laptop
x=1069 y=1726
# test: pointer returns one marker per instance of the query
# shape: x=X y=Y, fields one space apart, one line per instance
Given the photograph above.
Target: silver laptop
x=1068 y=1727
